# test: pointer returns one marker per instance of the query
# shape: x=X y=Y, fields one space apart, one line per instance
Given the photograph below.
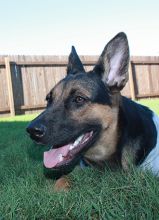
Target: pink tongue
x=51 y=157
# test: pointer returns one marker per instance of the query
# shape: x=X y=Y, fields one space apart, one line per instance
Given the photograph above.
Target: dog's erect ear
x=74 y=63
x=112 y=65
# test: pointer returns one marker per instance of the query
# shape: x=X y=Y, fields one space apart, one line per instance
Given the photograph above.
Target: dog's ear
x=112 y=65
x=74 y=63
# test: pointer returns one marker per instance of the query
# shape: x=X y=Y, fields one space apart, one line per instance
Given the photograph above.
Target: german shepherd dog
x=88 y=120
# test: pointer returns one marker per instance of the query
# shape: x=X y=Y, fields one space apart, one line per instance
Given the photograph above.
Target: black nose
x=36 y=130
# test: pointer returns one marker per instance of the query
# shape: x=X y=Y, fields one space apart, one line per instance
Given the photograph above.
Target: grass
x=151 y=103
x=26 y=194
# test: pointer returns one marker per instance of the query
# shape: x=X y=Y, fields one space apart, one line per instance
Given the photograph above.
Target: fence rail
x=25 y=80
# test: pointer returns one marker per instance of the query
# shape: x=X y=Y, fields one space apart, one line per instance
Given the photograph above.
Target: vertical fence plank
x=40 y=74
x=131 y=82
x=10 y=87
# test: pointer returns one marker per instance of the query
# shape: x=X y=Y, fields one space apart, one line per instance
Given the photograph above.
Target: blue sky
x=52 y=26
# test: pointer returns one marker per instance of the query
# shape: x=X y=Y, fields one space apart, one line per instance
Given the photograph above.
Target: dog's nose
x=36 y=130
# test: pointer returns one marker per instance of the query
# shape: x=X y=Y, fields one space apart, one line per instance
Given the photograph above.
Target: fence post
x=131 y=81
x=10 y=87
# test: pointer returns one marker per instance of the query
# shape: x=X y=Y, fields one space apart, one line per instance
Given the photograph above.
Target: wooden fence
x=25 y=80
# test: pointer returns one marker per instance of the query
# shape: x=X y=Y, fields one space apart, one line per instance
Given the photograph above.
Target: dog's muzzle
x=36 y=130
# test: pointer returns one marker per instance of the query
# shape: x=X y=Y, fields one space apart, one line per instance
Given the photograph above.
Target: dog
x=88 y=121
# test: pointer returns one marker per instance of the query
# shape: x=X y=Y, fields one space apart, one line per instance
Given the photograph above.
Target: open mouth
x=62 y=156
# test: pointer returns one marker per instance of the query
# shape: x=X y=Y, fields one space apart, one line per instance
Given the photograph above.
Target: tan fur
x=129 y=155
x=61 y=91
x=106 y=145
x=57 y=91
x=107 y=116
x=62 y=184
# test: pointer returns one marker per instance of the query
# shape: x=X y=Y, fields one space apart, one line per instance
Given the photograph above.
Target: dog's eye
x=80 y=100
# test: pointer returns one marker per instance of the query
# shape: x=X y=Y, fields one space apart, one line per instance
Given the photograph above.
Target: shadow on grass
x=15 y=137
x=36 y=151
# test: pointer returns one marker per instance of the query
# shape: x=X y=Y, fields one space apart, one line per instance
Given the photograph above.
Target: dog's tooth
x=60 y=157
x=78 y=140
x=71 y=146
x=91 y=133
x=76 y=143
x=85 y=140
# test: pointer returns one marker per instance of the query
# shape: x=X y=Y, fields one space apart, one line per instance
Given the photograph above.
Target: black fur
x=136 y=125
x=56 y=127
x=99 y=91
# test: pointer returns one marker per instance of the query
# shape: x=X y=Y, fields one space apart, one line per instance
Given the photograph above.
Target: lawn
x=26 y=194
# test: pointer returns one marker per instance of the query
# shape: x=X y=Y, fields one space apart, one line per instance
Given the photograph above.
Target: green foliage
x=151 y=103
x=26 y=194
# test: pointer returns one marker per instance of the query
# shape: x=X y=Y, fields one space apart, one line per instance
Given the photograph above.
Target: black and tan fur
x=124 y=131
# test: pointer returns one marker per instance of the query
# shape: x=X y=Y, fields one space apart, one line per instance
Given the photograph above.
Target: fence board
x=10 y=86
x=33 y=77
x=4 y=99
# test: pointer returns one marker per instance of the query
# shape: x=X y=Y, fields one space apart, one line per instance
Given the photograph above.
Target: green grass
x=26 y=194
x=151 y=103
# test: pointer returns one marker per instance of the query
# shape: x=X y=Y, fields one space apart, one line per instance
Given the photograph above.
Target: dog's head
x=81 y=115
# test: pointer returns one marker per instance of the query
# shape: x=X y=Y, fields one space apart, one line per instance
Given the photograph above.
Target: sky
x=51 y=27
